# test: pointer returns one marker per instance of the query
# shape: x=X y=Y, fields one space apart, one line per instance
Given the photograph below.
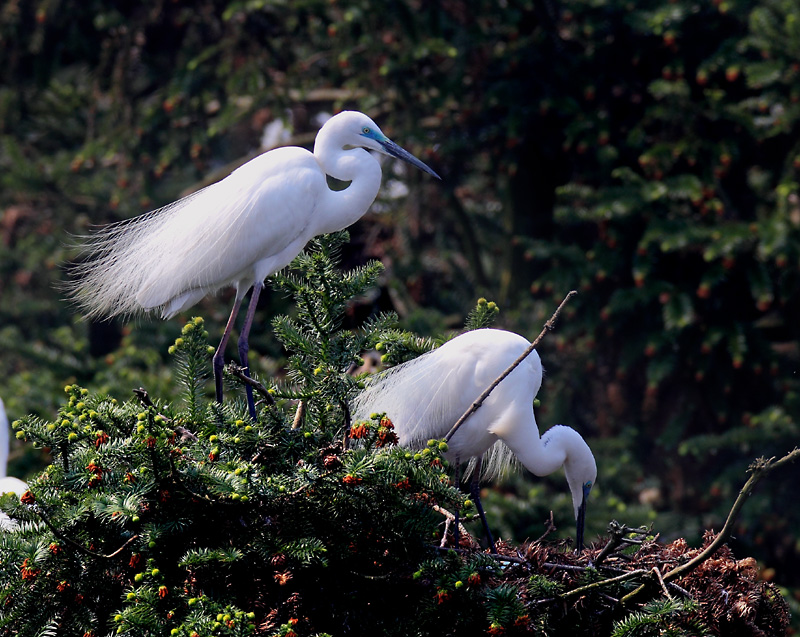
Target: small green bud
x=408 y=456
x=131 y=596
x=213 y=438
x=237 y=440
x=493 y=306
x=384 y=358
x=138 y=577
x=417 y=456
x=72 y=437
x=220 y=616
x=417 y=575
x=188 y=328
x=92 y=414
x=239 y=423
x=117 y=618
x=50 y=427
x=171 y=350
x=198 y=320
x=467 y=504
x=250 y=615
x=141 y=416
x=179 y=342
x=459 y=584
x=67 y=389
x=16 y=423
x=211 y=351
x=536 y=402
x=481 y=301
x=66 y=423
x=84 y=391
x=248 y=428
x=443 y=447
x=140 y=428
x=307 y=434
x=155 y=572
x=380 y=345
x=317 y=371
x=192 y=601
x=134 y=518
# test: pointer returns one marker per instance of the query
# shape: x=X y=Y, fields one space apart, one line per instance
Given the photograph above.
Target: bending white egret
x=236 y=232
x=7 y=483
x=426 y=396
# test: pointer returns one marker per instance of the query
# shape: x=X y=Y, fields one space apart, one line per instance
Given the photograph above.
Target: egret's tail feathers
x=122 y=259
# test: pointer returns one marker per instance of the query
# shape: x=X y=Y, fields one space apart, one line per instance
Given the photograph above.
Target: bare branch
x=758 y=470
x=549 y=325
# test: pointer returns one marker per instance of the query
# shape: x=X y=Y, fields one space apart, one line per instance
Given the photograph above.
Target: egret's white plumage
x=426 y=396
x=7 y=483
x=235 y=232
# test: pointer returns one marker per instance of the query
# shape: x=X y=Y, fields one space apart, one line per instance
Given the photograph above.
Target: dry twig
x=549 y=325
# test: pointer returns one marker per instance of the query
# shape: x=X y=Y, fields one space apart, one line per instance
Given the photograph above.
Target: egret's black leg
x=475 y=492
x=458 y=484
x=244 y=345
x=219 y=355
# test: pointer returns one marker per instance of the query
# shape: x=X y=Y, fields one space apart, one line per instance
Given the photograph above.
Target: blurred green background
x=645 y=154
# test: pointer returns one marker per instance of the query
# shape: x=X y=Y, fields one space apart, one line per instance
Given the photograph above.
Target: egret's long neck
x=341 y=208
x=541 y=456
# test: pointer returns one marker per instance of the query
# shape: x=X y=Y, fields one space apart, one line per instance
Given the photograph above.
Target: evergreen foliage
x=186 y=518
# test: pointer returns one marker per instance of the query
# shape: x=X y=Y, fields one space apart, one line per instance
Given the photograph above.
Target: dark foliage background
x=643 y=153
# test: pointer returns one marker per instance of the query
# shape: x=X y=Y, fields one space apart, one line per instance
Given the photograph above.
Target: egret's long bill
x=401 y=153
x=581 y=517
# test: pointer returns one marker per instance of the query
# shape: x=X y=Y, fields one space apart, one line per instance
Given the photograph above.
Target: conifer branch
x=548 y=326
x=76 y=545
x=238 y=372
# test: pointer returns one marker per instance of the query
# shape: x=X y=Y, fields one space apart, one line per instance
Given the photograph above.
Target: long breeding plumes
x=425 y=397
x=423 y=400
x=236 y=232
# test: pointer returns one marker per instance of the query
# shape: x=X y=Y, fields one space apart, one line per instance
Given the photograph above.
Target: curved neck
x=339 y=209
x=541 y=456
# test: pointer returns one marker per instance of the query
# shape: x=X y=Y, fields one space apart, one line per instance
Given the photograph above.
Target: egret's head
x=358 y=130
x=581 y=471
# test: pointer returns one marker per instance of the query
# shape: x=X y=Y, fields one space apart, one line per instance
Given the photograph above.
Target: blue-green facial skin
x=586 y=489
x=372 y=134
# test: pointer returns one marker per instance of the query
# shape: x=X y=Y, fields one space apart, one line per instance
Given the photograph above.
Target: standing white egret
x=236 y=232
x=7 y=483
x=426 y=396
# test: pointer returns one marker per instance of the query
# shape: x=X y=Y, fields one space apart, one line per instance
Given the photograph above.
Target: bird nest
x=624 y=579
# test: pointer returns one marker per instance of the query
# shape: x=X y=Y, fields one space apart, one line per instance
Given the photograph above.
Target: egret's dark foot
x=475 y=492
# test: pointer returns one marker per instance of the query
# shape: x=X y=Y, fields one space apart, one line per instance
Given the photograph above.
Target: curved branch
x=549 y=325
x=758 y=470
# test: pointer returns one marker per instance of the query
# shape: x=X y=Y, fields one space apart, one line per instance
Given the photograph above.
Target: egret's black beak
x=580 y=521
x=396 y=151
